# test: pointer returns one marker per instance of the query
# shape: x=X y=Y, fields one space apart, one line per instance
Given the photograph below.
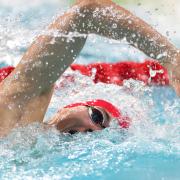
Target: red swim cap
x=124 y=121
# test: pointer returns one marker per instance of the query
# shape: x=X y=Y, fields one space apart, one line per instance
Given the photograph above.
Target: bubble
x=114 y=26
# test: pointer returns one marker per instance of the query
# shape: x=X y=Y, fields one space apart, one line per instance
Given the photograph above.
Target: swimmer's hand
x=174 y=72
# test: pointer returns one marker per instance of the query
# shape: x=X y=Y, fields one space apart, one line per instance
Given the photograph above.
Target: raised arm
x=53 y=52
x=110 y=20
x=26 y=92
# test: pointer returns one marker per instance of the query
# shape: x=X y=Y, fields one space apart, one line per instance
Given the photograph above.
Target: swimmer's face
x=81 y=119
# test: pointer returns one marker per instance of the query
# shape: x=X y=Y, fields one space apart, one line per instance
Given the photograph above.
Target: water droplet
x=114 y=26
x=129 y=21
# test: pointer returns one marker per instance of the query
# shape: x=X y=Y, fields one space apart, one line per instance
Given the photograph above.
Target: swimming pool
x=150 y=149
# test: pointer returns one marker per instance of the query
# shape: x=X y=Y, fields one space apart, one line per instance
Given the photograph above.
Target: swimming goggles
x=96 y=116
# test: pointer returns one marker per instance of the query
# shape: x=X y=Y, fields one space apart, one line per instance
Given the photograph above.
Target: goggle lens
x=96 y=116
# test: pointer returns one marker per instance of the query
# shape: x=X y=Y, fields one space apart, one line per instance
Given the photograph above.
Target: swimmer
x=25 y=94
x=110 y=73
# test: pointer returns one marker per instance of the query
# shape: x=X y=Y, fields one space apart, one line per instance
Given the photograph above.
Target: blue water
x=150 y=149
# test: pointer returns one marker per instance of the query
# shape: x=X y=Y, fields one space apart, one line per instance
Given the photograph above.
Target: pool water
x=150 y=149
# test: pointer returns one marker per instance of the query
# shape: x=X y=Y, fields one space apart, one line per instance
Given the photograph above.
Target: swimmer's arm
x=110 y=20
x=49 y=56
x=26 y=92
